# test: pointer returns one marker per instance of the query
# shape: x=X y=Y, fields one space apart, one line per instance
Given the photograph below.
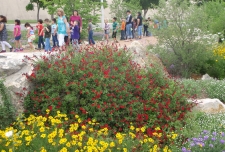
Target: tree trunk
x=52 y=16
x=38 y=11
x=145 y=12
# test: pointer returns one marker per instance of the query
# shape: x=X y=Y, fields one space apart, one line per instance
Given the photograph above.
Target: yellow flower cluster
x=219 y=51
x=39 y=133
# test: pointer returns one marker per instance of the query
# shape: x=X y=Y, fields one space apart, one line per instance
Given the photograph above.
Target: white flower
x=9 y=134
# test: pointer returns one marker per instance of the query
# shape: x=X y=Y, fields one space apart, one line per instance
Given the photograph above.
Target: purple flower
x=222 y=141
x=184 y=149
x=222 y=134
x=214 y=133
x=205 y=131
x=213 y=139
x=172 y=66
x=192 y=144
x=206 y=137
x=210 y=145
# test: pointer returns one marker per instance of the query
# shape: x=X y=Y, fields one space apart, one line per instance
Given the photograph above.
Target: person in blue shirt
x=54 y=34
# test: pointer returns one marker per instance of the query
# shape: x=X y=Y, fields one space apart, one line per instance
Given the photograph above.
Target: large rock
x=211 y=106
x=206 y=77
x=142 y=55
x=12 y=68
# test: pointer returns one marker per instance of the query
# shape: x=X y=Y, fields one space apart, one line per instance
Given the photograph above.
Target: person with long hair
x=129 y=25
x=62 y=27
x=30 y=35
x=4 y=34
x=77 y=17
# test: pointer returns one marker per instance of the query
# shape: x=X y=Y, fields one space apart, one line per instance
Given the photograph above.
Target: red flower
x=106 y=73
x=50 y=108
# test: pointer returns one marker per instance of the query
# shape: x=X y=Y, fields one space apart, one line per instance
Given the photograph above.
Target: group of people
x=65 y=32
x=131 y=28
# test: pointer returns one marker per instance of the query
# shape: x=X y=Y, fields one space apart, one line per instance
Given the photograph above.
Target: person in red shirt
x=40 y=28
x=76 y=17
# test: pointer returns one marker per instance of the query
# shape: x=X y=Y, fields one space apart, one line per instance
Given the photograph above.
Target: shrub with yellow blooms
x=43 y=133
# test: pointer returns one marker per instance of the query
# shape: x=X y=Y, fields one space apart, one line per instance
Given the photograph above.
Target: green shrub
x=183 y=46
x=7 y=111
x=105 y=84
x=205 y=88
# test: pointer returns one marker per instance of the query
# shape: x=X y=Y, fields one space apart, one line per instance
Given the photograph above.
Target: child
x=3 y=34
x=146 y=24
x=47 y=30
x=134 y=28
x=75 y=35
x=66 y=37
x=30 y=35
x=54 y=35
x=90 y=32
x=106 y=29
x=115 y=27
x=40 y=34
x=17 y=36
x=123 y=26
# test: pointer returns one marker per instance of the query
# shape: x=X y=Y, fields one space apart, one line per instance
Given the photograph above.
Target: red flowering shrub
x=105 y=84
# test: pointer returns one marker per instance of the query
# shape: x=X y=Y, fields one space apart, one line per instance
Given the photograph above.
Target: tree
x=39 y=5
x=146 y=4
x=118 y=8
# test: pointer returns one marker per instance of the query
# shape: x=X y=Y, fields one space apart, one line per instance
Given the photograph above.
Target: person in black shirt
x=129 y=25
x=139 y=25
x=47 y=30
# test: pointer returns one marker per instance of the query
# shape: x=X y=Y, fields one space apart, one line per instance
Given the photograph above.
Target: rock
x=207 y=105
x=11 y=69
x=206 y=77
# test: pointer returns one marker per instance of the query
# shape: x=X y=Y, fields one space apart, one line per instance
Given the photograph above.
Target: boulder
x=12 y=67
x=207 y=105
x=206 y=77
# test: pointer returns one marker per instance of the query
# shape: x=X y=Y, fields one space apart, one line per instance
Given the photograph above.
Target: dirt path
x=145 y=41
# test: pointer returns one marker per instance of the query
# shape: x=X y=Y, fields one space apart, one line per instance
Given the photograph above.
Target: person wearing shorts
x=30 y=35
x=115 y=27
x=17 y=36
x=106 y=29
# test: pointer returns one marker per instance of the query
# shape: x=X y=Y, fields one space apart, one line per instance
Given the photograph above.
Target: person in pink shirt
x=76 y=17
x=17 y=36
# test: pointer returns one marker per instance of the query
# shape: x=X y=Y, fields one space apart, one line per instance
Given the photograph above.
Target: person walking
x=47 y=31
x=75 y=35
x=17 y=36
x=62 y=27
x=77 y=17
x=139 y=25
x=115 y=28
x=4 y=34
x=129 y=25
x=106 y=30
x=123 y=26
x=30 y=35
x=146 y=24
x=90 y=33
x=40 y=28
x=54 y=35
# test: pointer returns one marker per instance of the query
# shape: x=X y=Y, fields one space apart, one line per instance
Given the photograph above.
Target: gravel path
x=145 y=41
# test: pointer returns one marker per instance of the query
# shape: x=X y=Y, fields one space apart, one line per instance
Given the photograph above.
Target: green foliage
x=205 y=88
x=39 y=4
x=103 y=83
x=7 y=112
x=118 y=8
x=183 y=46
x=205 y=129
x=215 y=15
